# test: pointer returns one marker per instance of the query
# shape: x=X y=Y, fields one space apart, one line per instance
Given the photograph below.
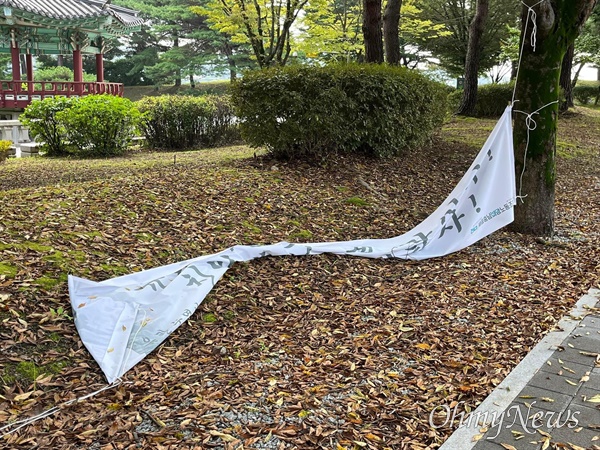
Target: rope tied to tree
x=531 y=125
x=530 y=122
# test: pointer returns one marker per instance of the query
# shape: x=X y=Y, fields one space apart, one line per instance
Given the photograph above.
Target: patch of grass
x=209 y=318
x=56 y=367
x=356 y=201
x=253 y=228
x=302 y=234
x=27 y=370
x=8 y=270
x=54 y=336
x=48 y=282
x=114 y=269
x=34 y=246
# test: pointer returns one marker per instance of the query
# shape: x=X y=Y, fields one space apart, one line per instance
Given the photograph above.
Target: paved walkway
x=557 y=387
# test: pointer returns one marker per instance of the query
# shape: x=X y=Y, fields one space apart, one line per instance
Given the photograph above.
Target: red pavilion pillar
x=100 y=67
x=29 y=63
x=77 y=70
x=15 y=58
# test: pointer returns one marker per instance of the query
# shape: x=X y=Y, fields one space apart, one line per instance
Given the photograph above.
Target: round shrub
x=41 y=117
x=298 y=111
x=182 y=122
x=4 y=150
x=99 y=125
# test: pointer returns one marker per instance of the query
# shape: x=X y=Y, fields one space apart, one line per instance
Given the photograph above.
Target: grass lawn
x=318 y=352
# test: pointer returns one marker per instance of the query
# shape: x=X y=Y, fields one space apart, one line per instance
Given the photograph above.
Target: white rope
x=530 y=13
x=531 y=125
x=54 y=409
x=530 y=122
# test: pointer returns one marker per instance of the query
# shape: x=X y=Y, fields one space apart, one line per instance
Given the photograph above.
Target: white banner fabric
x=123 y=319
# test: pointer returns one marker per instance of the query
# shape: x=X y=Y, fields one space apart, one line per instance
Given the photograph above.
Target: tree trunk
x=178 y=72
x=231 y=62
x=513 y=70
x=469 y=97
x=372 y=31
x=576 y=76
x=558 y=23
x=192 y=81
x=391 y=31
x=566 y=102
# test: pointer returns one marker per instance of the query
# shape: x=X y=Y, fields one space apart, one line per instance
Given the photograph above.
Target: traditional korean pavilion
x=58 y=27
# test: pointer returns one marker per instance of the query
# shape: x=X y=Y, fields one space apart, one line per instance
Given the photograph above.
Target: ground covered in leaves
x=317 y=352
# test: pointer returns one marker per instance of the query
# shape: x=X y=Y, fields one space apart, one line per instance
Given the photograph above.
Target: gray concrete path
x=551 y=399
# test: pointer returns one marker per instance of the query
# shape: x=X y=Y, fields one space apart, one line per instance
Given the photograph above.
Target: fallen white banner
x=123 y=319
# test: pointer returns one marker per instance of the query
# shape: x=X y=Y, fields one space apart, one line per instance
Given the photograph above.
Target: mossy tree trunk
x=558 y=23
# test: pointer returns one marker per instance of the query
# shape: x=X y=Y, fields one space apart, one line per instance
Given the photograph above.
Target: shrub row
x=587 y=93
x=492 y=99
x=103 y=125
x=95 y=125
x=300 y=111
x=181 y=122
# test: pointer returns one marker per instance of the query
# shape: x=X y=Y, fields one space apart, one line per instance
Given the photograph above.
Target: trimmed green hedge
x=586 y=93
x=183 y=122
x=300 y=111
x=492 y=99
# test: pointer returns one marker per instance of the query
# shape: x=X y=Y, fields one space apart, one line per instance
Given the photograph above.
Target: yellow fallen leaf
x=21 y=397
x=594 y=399
x=185 y=422
x=226 y=437
x=88 y=432
x=571 y=383
x=508 y=447
x=423 y=346
x=585 y=378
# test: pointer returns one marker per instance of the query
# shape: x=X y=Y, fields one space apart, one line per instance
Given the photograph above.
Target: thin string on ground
x=24 y=422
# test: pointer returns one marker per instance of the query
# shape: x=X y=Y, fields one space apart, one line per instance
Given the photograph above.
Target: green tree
x=587 y=45
x=415 y=32
x=264 y=25
x=558 y=24
x=331 y=29
x=457 y=16
x=170 y=25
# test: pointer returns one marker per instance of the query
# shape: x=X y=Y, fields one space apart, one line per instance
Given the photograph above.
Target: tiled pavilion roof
x=75 y=10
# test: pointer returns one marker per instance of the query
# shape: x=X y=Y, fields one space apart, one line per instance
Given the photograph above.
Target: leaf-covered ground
x=317 y=352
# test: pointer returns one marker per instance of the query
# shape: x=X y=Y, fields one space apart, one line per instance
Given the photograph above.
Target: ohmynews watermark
x=524 y=416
